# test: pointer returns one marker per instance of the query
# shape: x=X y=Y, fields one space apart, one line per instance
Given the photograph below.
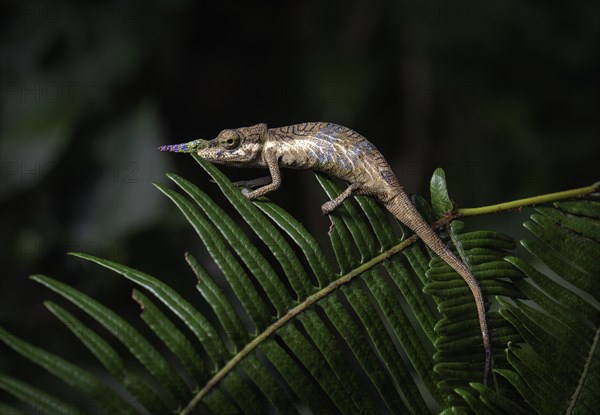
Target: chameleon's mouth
x=190 y=147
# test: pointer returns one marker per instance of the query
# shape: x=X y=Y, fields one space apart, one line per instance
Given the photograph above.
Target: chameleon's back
x=335 y=150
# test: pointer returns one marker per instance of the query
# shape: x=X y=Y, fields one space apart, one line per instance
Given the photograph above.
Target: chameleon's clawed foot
x=329 y=207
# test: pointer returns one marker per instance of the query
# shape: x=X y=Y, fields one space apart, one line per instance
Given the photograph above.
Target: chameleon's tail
x=190 y=147
x=401 y=207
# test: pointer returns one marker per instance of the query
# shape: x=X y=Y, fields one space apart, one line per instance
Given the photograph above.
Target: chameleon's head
x=233 y=147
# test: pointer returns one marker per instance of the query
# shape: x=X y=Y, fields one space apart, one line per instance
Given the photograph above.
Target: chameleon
x=340 y=152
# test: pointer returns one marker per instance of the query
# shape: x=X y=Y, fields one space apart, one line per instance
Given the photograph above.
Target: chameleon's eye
x=230 y=142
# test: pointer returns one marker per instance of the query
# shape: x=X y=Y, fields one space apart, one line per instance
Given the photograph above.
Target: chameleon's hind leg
x=330 y=206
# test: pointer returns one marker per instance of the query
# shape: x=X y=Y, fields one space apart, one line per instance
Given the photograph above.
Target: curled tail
x=401 y=207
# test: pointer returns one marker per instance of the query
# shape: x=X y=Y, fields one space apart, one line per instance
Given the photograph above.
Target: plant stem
x=529 y=201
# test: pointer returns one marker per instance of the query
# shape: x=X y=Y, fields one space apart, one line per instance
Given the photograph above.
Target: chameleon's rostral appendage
x=190 y=147
x=340 y=152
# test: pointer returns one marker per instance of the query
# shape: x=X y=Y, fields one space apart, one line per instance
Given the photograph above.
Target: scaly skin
x=340 y=152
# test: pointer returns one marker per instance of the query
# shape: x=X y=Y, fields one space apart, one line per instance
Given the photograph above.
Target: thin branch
x=584 y=374
x=530 y=201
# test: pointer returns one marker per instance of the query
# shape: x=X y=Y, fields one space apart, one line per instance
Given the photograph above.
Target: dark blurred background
x=504 y=95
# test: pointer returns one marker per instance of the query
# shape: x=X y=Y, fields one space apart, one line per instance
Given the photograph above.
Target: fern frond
x=288 y=331
x=555 y=369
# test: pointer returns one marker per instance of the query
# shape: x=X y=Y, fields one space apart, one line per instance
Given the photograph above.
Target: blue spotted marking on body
x=388 y=176
x=366 y=146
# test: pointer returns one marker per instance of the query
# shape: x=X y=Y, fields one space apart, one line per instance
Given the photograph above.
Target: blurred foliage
x=502 y=94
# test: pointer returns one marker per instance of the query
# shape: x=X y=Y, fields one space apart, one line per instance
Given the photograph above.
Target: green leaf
x=35 y=398
x=280 y=249
x=240 y=243
x=110 y=359
x=171 y=336
x=277 y=396
x=556 y=370
x=296 y=377
x=440 y=201
x=500 y=402
x=216 y=298
x=69 y=373
x=233 y=271
x=139 y=347
x=306 y=242
x=193 y=319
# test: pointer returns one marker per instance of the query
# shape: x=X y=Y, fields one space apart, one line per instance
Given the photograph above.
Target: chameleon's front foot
x=247 y=186
x=250 y=194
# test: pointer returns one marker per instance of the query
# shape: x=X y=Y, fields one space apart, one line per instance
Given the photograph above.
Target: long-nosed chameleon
x=340 y=152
